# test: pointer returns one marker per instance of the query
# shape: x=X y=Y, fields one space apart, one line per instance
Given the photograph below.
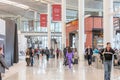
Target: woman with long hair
x=3 y=65
x=69 y=57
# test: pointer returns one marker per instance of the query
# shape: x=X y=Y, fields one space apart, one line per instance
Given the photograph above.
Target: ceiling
x=8 y=10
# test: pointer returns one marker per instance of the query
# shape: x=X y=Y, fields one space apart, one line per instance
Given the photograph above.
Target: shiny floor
x=54 y=70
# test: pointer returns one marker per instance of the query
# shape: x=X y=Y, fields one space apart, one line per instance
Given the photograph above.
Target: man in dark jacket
x=89 y=53
x=108 y=57
x=3 y=64
x=65 y=51
x=47 y=52
x=31 y=56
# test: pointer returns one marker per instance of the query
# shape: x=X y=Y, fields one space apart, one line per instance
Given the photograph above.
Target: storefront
x=93 y=31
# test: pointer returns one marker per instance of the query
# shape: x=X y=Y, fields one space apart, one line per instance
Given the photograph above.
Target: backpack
x=47 y=51
x=119 y=62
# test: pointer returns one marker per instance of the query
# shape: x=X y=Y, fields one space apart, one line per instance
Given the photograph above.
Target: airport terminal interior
x=59 y=39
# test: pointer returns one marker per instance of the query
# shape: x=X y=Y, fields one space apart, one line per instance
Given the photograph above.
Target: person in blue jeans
x=108 y=56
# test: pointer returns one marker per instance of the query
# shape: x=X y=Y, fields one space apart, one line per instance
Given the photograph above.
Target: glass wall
x=42 y=41
x=29 y=26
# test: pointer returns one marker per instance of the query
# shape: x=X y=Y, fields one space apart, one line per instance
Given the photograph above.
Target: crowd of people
x=68 y=53
x=71 y=56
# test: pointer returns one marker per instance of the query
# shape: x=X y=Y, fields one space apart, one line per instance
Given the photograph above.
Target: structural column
x=81 y=39
x=35 y=20
x=108 y=21
x=19 y=23
x=108 y=24
x=81 y=26
x=63 y=23
x=49 y=26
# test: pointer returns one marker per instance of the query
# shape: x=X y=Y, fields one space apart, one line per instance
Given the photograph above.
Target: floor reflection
x=54 y=70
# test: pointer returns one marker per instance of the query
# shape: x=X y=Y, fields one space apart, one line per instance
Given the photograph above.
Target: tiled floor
x=54 y=70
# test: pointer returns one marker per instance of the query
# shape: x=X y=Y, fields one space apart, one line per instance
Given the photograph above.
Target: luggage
x=93 y=59
x=65 y=62
x=75 y=61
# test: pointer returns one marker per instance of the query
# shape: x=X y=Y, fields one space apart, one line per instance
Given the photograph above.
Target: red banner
x=56 y=12
x=43 y=20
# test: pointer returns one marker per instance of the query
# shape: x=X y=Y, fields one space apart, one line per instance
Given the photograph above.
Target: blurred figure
x=65 y=51
x=57 y=52
x=43 y=52
x=51 y=51
x=96 y=51
x=76 y=56
x=3 y=65
x=38 y=53
x=47 y=52
x=69 y=57
x=89 y=53
x=31 y=56
x=28 y=57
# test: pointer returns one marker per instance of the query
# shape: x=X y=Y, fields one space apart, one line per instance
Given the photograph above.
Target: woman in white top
x=76 y=57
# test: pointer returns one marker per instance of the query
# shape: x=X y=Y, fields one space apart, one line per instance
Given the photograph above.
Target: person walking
x=28 y=57
x=69 y=57
x=47 y=52
x=89 y=53
x=57 y=52
x=65 y=51
x=31 y=56
x=38 y=53
x=108 y=57
x=76 y=56
x=51 y=51
x=3 y=64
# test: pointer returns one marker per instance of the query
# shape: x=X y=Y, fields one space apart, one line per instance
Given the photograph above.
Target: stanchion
x=98 y=62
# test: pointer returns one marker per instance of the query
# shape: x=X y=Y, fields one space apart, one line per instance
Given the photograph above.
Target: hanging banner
x=56 y=12
x=43 y=20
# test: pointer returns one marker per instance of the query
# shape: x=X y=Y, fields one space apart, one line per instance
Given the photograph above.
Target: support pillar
x=49 y=26
x=108 y=21
x=81 y=35
x=108 y=24
x=35 y=20
x=63 y=24
x=81 y=27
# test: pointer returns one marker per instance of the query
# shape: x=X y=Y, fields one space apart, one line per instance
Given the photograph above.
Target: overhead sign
x=43 y=20
x=56 y=12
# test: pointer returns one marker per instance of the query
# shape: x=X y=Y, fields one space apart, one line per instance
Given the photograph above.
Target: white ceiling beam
x=8 y=16
x=86 y=9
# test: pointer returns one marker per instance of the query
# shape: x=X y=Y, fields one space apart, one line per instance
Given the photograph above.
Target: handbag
x=27 y=56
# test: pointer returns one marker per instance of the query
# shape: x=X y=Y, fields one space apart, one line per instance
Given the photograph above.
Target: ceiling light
x=15 y=4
